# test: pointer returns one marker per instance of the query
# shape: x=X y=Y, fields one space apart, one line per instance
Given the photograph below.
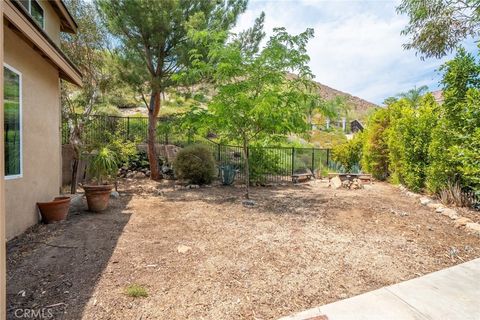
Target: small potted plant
x=102 y=168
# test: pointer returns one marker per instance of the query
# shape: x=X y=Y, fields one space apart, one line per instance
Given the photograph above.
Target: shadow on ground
x=52 y=270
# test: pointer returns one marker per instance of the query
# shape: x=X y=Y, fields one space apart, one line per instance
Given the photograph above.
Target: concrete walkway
x=452 y=293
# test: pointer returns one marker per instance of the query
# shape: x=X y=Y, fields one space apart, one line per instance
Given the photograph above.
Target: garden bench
x=302 y=176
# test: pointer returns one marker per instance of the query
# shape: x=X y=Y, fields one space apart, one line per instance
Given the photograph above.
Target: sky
x=357 y=46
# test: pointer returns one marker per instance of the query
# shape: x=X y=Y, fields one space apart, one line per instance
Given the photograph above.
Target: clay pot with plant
x=102 y=168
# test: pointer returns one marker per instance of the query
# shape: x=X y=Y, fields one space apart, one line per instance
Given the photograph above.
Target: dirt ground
x=201 y=254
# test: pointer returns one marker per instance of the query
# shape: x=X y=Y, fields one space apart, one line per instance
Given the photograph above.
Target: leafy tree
x=349 y=154
x=86 y=49
x=155 y=44
x=257 y=95
x=414 y=95
x=436 y=27
x=454 y=149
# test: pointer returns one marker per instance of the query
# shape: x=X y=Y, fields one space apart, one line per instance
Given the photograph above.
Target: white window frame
x=20 y=118
x=29 y=9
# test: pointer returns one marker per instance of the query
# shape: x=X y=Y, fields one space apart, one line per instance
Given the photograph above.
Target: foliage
x=436 y=27
x=349 y=154
x=414 y=95
x=262 y=162
x=196 y=164
x=103 y=165
x=155 y=44
x=257 y=96
x=410 y=135
x=375 y=149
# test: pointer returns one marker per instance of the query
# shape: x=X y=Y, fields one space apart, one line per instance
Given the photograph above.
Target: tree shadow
x=52 y=270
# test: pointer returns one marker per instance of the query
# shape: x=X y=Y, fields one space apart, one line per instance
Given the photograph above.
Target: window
x=36 y=10
x=12 y=133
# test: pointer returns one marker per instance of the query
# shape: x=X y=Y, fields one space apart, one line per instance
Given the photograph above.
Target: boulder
x=336 y=183
x=460 y=222
x=473 y=228
x=434 y=205
x=424 y=201
x=114 y=194
x=452 y=214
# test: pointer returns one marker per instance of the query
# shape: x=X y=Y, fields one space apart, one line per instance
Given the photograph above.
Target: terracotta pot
x=55 y=210
x=97 y=196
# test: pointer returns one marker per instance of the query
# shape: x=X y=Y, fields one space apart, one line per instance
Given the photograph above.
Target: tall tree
x=436 y=27
x=86 y=49
x=155 y=44
x=257 y=95
x=413 y=95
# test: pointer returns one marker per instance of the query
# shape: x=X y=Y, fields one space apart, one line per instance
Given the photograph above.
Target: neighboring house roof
x=438 y=96
x=22 y=23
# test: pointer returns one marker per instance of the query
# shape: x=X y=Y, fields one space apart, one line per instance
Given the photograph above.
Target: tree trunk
x=247 y=168
x=74 y=182
x=153 y=110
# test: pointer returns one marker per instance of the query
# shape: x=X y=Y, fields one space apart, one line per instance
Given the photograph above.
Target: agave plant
x=103 y=165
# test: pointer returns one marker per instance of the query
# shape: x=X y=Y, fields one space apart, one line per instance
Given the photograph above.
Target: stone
x=147 y=173
x=452 y=214
x=460 y=222
x=139 y=175
x=114 y=194
x=248 y=203
x=424 y=201
x=434 y=205
x=440 y=210
x=183 y=248
x=336 y=183
x=473 y=228
x=193 y=186
x=130 y=174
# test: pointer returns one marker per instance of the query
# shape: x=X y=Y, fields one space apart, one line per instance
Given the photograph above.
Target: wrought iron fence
x=267 y=164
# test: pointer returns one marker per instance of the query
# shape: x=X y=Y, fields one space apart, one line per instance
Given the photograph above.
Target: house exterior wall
x=41 y=144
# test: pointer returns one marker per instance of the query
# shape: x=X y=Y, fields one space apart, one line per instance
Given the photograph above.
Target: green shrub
x=103 y=165
x=375 y=149
x=262 y=162
x=136 y=291
x=349 y=154
x=196 y=164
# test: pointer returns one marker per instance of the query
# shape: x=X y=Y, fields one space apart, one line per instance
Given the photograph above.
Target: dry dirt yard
x=201 y=254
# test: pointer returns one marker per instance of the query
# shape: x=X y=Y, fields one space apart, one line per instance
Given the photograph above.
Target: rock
x=435 y=205
x=424 y=201
x=114 y=194
x=440 y=210
x=183 y=248
x=452 y=214
x=147 y=173
x=139 y=175
x=336 y=183
x=460 y=222
x=193 y=186
x=248 y=203
x=130 y=174
x=473 y=228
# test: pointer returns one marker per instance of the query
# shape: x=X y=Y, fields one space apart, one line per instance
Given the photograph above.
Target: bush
x=262 y=162
x=196 y=164
x=375 y=148
x=349 y=154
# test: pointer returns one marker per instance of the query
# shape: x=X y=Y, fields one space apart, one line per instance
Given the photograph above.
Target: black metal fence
x=267 y=164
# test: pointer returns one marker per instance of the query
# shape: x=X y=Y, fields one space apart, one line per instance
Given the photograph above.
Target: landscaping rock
x=139 y=175
x=452 y=214
x=440 y=210
x=114 y=194
x=424 y=201
x=193 y=186
x=435 y=205
x=460 y=222
x=473 y=227
x=183 y=248
x=248 y=203
x=336 y=183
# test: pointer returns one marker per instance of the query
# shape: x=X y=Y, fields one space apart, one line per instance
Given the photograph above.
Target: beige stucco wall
x=41 y=136
x=52 y=22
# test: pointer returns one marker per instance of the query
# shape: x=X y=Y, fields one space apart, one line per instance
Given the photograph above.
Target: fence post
x=328 y=158
x=128 y=128
x=218 y=153
x=293 y=160
x=313 y=161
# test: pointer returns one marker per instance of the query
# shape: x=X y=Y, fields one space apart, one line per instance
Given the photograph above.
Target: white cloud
x=357 y=46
